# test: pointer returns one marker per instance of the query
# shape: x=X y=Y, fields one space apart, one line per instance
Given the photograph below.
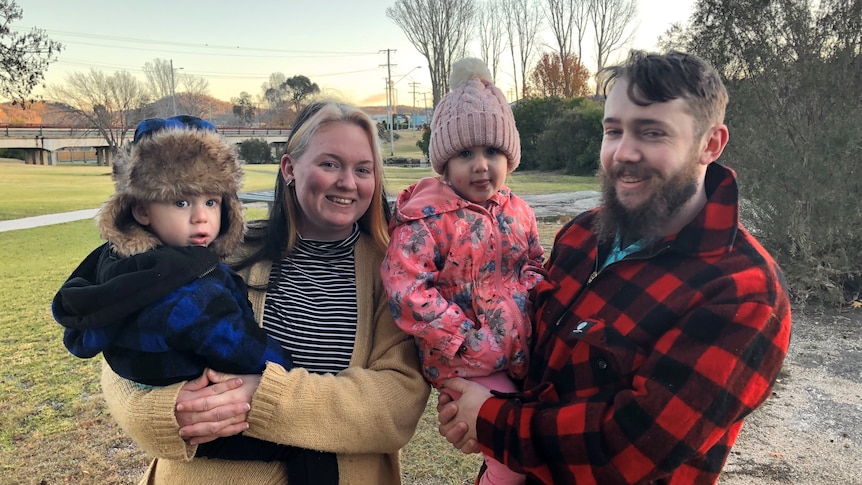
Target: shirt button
x=462 y=349
x=602 y=364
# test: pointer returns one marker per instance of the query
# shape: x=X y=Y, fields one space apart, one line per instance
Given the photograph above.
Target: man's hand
x=214 y=405
x=458 y=418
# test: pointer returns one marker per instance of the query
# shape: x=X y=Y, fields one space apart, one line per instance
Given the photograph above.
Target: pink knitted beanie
x=473 y=113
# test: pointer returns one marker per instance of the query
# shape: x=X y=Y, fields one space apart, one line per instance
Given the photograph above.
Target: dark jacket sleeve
x=104 y=291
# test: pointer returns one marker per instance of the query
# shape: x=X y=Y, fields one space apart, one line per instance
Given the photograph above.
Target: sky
x=339 y=44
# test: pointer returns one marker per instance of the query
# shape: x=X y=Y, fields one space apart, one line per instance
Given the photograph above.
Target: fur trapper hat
x=170 y=159
x=473 y=113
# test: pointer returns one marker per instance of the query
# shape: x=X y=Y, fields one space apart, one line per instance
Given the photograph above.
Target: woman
x=313 y=274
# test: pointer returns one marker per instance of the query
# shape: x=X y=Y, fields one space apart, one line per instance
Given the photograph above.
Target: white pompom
x=466 y=69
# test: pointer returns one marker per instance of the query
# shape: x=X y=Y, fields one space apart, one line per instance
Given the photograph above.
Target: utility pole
x=389 y=101
x=173 y=89
x=425 y=104
x=413 y=106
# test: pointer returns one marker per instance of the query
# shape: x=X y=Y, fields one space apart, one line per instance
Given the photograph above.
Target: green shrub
x=256 y=151
x=793 y=71
x=424 y=143
x=797 y=153
x=559 y=134
x=12 y=153
x=572 y=141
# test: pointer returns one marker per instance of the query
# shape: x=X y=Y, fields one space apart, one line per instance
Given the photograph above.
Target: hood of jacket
x=431 y=196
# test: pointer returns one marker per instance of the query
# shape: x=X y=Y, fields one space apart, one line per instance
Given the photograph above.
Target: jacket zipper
x=208 y=271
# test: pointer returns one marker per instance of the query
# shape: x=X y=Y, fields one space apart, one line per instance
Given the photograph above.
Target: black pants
x=304 y=467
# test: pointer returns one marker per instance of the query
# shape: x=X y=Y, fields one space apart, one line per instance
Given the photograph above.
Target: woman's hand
x=215 y=405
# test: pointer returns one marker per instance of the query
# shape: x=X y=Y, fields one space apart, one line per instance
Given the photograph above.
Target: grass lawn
x=405 y=144
x=32 y=190
x=54 y=427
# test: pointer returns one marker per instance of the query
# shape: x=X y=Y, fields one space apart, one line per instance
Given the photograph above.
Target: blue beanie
x=153 y=125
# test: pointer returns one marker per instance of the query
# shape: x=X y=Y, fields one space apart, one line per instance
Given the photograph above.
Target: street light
x=389 y=107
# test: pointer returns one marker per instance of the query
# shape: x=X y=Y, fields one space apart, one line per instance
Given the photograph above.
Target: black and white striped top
x=312 y=312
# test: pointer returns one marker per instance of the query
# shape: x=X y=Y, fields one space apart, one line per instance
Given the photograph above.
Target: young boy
x=464 y=250
x=155 y=299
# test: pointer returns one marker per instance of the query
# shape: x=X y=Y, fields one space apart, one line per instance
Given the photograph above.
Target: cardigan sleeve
x=146 y=414
x=373 y=406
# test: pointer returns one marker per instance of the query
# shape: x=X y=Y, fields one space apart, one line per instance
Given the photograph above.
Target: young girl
x=464 y=250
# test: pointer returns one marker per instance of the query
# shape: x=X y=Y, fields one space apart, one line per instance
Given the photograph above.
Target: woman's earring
x=289 y=182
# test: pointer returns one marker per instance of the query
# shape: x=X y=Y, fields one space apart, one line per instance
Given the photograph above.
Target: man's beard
x=647 y=219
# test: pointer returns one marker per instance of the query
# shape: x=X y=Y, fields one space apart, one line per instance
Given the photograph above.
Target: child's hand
x=458 y=419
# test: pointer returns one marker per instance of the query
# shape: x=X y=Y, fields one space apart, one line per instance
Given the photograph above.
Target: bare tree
x=509 y=15
x=193 y=96
x=24 y=58
x=272 y=105
x=272 y=91
x=524 y=18
x=111 y=105
x=567 y=18
x=439 y=30
x=581 y=19
x=160 y=84
x=172 y=91
x=613 y=28
x=491 y=28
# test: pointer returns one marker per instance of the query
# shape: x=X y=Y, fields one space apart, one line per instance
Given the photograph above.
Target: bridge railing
x=48 y=131
x=235 y=130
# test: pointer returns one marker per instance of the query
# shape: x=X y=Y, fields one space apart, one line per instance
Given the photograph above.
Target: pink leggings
x=496 y=473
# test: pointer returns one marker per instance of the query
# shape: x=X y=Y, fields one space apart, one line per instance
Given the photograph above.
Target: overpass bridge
x=41 y=144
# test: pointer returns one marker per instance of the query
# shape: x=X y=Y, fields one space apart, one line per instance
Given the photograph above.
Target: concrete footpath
x=46 y=220
x=545 y=206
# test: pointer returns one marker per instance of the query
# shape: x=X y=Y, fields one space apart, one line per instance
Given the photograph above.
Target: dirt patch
x=561 y=207
x=810 y=430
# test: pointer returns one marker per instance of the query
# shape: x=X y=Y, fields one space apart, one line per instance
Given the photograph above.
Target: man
x=663 y=323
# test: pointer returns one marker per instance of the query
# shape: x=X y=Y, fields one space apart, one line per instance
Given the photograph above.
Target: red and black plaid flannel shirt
x=643 y=372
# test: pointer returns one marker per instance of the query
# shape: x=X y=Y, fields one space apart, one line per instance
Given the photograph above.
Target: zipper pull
x=592 y=277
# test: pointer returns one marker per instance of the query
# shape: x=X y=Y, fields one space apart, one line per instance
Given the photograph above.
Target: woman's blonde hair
x=279 y=232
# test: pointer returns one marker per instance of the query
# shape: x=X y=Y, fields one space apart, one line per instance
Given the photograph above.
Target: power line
x=150 y=42
x=223 y=54
x=213 y=74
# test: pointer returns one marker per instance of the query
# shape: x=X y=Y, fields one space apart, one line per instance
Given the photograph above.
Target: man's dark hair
x=658 y=78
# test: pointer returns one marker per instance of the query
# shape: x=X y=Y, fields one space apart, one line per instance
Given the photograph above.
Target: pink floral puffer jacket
x=458 y=274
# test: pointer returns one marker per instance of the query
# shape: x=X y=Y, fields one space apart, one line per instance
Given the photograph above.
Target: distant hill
x=381 y=110
x=34 y=114
x=218 y=111
x=46 y=113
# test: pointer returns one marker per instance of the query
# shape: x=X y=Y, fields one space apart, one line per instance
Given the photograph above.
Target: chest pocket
x=602 y=360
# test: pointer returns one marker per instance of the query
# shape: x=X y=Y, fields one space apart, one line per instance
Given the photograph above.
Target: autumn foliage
x=555 y=79
x=35 y=114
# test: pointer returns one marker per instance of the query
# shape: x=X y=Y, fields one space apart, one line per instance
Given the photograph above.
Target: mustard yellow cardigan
x=365 y=414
